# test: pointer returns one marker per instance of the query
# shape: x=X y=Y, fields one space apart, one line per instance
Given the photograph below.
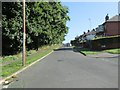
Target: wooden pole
x=24 y=37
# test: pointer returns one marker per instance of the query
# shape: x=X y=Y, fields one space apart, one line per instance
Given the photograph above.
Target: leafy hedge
x=106 y=43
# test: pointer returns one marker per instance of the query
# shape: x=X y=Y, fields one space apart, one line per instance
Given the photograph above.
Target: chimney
x=88 y=30
x=106 y=18
x=93 y=30
x=84 y=32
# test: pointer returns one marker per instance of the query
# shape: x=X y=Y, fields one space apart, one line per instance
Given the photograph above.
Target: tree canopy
x=45 y=25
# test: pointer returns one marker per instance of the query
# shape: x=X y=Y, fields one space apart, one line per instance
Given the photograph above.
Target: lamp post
x=24 y=37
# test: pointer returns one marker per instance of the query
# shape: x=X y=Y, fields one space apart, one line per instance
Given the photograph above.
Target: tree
x=45 y=25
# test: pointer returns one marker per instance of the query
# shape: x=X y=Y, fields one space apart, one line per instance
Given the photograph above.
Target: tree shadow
x=78 y=50
x=64 y=48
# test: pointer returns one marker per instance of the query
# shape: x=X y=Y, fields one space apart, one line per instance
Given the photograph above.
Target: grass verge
x=15 y=64
x=87 y=51
x=113 y=51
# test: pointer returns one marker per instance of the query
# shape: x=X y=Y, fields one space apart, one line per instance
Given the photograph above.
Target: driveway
x=67 y=69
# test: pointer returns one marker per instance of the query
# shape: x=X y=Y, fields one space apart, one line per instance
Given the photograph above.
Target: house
x=90 y=35
x=112 y=26
x=100 y=31
x=86 y=37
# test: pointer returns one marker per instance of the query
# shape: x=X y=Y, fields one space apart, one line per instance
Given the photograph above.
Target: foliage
x=107 y=42
x=75 y=42
x=45 y=25
x=11 y=27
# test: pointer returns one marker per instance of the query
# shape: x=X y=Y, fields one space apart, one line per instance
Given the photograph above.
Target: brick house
x=112 y=26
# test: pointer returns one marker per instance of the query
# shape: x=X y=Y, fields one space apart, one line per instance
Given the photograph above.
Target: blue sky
x=86 y=15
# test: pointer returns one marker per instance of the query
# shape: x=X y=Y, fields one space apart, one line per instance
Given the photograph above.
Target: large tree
x=45 y=25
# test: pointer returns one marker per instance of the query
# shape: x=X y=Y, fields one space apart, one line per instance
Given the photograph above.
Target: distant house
x=88 y=35
x=112 y=26
x=100 y=31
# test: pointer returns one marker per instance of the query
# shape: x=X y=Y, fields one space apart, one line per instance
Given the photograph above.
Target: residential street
x=65 y=68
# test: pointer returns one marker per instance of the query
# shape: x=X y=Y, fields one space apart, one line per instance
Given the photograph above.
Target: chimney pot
x=107 y=17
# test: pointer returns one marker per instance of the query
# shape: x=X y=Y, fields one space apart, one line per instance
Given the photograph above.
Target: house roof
x=89 y=33
x=114 y=18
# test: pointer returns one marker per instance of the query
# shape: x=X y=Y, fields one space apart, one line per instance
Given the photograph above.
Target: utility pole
x=24 y=37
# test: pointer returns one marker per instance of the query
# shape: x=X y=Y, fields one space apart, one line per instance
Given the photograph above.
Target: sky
x=87 y=15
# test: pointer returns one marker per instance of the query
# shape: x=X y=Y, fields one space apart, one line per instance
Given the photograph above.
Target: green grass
x=113 y=51
x=31 y=57
x=85 y=51
x=89 y=52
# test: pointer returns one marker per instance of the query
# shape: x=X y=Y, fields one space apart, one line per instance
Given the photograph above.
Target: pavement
x=65 y=68
x=104 y=55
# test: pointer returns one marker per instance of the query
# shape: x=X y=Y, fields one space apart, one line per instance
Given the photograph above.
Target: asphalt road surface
x=65 y=68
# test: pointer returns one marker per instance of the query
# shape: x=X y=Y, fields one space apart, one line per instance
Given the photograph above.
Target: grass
x=89 y=52
x=113 y=51
x=32 y=56
x=86 y=51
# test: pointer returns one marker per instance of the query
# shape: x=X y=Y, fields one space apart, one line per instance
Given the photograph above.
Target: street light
x=24 y=37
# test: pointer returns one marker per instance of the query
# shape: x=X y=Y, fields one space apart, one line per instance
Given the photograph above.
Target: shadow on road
x=83 y=53
x=69 y=49
x=78 y=50
x=64 y=48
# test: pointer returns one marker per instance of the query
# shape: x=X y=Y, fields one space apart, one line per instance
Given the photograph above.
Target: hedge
x=102 y=43
x=106 y=43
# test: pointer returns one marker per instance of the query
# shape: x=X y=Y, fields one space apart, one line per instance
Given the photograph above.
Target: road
x=65 y=68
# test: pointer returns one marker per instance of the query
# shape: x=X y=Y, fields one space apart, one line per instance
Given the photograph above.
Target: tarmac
x=104 y=55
